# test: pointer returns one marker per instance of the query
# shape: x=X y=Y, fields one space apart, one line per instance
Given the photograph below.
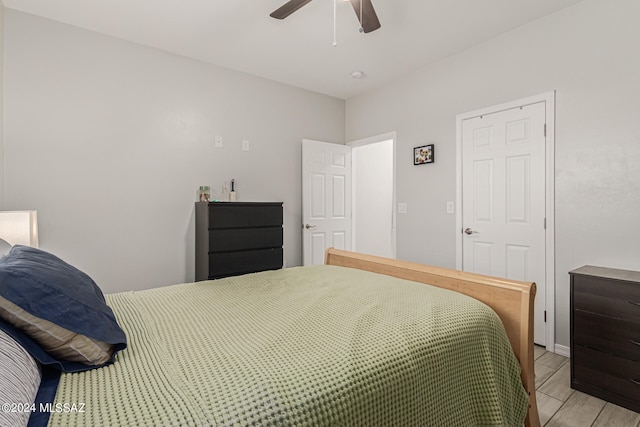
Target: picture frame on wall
x=423 y=155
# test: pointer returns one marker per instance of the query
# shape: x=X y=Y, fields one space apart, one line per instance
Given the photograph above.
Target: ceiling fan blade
x=369 y=20
x=288 y=8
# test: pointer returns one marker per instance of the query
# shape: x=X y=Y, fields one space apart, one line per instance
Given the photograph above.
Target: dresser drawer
x=239 y=215
x=610 y=335
x=607 y=372
x=236 y=239
x=597 y=295
x=233 y=263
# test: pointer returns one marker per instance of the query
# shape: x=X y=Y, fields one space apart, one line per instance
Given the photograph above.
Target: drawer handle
x=636 y=382
x=634 y=342
x=635 y=303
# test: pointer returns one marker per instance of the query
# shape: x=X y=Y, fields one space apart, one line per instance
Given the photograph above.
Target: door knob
x=470 y=231
x=309 y=226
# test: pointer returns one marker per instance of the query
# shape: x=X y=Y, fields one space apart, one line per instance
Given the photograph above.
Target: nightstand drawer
x=611 y=373
x=618 y=337
x=596 y=295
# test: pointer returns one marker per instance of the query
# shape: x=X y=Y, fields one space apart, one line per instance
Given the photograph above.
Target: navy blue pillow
x=48 y=288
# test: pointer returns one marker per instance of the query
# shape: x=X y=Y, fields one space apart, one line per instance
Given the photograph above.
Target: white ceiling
x=240 y=35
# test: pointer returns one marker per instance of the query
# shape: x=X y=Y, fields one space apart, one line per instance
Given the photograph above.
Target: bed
x=358 y=341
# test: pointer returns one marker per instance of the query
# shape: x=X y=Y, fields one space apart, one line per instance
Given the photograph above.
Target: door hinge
x=545 y=223
x=545 y=316
x=545 y=130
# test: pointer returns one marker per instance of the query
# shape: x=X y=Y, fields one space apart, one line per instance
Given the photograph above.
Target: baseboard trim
x=562 y=350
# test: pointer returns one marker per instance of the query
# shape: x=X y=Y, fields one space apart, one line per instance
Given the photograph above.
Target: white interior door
x=326 y=199
x=503 y=199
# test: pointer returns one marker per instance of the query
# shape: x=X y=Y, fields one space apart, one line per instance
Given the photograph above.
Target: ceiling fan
x=363 y=8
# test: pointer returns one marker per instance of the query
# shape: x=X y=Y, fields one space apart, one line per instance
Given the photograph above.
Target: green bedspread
x=302 y=346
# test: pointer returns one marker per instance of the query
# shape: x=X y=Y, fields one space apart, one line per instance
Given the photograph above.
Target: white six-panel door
x=503 y=198
x=326 y=199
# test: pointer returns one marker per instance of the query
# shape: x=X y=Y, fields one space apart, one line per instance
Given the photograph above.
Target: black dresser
x=605 y=334
x=235 y=238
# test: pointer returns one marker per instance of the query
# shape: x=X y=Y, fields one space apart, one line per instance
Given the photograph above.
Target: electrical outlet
x=218 y=142
x=245 y=145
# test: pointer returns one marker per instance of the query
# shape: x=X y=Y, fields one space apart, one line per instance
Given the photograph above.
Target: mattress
x=319 y=345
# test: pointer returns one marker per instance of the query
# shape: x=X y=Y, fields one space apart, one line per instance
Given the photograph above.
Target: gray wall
x=589 y=54
x=110 y=141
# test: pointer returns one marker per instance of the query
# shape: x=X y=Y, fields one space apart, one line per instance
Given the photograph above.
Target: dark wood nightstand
x=605 y=334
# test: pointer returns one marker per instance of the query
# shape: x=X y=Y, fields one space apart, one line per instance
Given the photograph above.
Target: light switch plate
x=402 y=208
x=450 y=207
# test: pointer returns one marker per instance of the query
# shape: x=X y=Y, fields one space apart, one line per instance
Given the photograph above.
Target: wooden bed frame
x=511 y=300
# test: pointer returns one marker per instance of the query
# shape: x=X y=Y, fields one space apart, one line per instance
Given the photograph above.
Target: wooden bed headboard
x=511 y=300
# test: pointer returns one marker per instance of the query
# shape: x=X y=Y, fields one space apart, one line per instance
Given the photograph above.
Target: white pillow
x=19 y=382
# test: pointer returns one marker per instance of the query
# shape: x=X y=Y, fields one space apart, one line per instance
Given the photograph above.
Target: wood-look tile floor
x=561 y=406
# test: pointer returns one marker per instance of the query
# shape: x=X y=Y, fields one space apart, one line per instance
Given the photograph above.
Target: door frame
x=372 y=140
x=550 y=292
